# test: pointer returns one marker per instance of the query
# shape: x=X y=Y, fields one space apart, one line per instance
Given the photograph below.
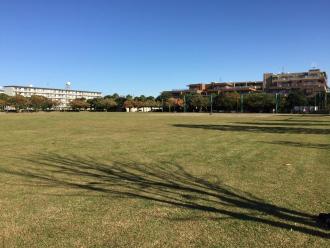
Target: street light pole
x=184 y=104
x=276 y=101
x=242 y=102
x=211 y=105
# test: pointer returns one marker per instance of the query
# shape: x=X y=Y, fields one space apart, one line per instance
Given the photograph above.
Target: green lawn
x=163 y=180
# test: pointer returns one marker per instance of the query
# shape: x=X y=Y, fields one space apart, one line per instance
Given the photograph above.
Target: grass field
x=163 y=180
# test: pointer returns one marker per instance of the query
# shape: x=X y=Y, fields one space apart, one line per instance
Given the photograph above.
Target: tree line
x=223 y=102
x=251 y=102
x=108 y=103
x=19 y=102
x=121 y=103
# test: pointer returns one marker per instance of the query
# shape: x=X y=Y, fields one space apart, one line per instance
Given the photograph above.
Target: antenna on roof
x=314 y=65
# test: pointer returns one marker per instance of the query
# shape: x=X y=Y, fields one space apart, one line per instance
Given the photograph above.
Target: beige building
x=311 y=82
x=64 y=96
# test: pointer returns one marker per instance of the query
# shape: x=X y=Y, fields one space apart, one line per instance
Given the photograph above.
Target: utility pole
x=242 y=103
x=211 y=105
x=184 y=103
x=315 y=101
x=276 y=102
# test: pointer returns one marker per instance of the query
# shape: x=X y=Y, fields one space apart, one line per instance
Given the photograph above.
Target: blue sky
x=143 y=46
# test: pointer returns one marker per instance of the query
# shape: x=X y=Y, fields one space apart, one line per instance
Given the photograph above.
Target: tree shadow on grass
x=164 y=184
x=293 y=116
x=300 y=144
x=312 y=124
x=255 y=128
x=302 y=121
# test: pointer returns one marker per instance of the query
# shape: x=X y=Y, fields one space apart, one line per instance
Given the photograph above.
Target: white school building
x=64 y=96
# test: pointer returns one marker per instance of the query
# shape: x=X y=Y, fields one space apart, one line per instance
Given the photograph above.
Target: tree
x=108 y=103
x=138 y=103
x=295 y=98
x=129 y=97
x=142 y=98
x=18 y=101
x=199 y=102
x=54 y=103
x=79 y=104
x=3 y=104
x=129 y=104
x=120 y=103
x=227 y=101
x=39 y=102
x=171 y=102
x=259 y=102
x=164 y=96
x=149 y=103
x=94 y=103
x=153 y=104
x=115 y=96
x=4 y=97
x=179 y=103
x=174 y=103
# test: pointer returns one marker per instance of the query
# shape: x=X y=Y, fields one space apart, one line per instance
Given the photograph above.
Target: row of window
x=28 y=90
x=55 y=96
x=290 y=77
x=295 y=84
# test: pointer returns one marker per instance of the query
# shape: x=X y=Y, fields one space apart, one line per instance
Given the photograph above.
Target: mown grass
x=163 y=180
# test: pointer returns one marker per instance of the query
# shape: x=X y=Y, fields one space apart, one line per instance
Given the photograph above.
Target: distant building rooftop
x=44 y=88
x=311 y=82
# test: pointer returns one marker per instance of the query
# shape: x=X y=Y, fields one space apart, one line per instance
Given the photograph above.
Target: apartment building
x=64 y=96
x=217 y=88
x=311 y=83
